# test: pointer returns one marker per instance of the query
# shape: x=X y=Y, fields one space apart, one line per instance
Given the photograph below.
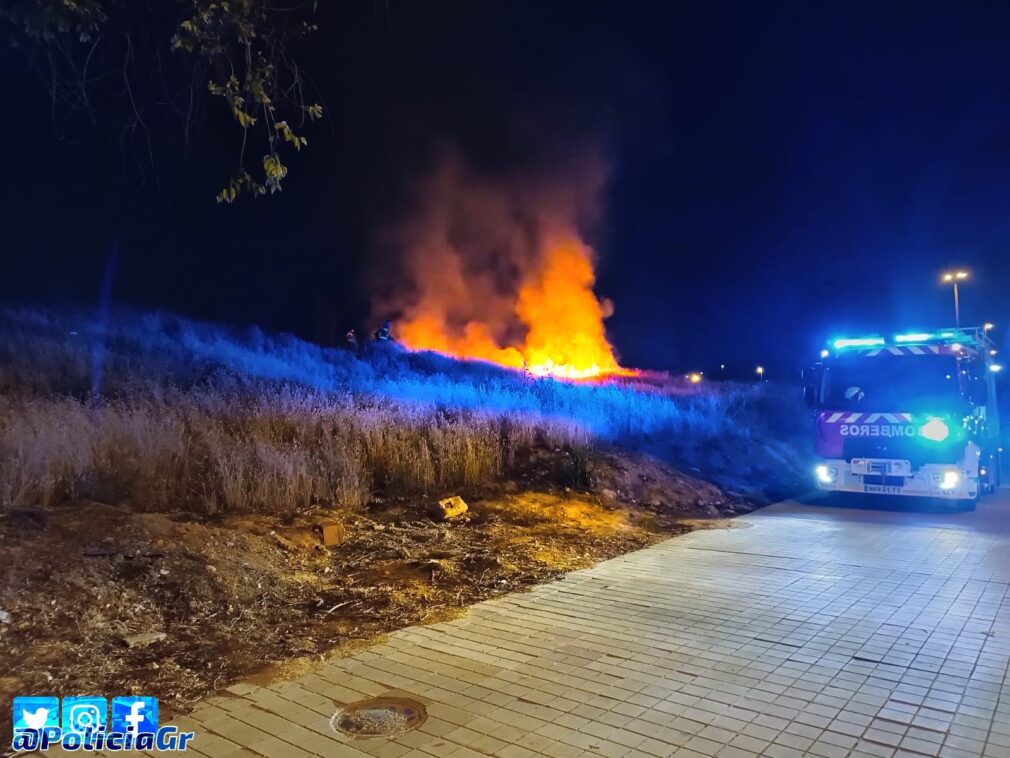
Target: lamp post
x=761 y=373
x=953 y=277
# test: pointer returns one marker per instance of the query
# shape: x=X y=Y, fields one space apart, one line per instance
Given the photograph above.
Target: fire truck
x=914 y=414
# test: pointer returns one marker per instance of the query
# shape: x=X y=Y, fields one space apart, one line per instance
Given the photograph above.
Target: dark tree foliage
x=151 y=68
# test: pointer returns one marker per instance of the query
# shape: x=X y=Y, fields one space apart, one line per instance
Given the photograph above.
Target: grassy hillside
x=166 y=413
x=163 y=476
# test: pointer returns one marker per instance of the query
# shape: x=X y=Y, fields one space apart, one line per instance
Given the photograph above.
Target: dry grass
x=164 y=413
x=285 y=452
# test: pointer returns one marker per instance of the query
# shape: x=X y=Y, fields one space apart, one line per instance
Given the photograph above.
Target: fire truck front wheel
x=991 y=481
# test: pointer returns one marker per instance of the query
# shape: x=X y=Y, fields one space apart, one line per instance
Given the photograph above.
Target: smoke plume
x=498 y=268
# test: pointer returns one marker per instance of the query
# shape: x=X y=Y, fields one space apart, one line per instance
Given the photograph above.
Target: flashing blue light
x=859 y=342
x=914 y=337
x=948 y=334
x=935 y=430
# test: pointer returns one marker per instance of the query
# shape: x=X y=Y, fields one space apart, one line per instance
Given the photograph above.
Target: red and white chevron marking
x=911 y=350
x=839 y=417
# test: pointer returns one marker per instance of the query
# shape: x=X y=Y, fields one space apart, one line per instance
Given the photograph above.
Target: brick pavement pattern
x=801 y=630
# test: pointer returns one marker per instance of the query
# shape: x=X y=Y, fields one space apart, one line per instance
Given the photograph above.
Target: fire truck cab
x=912 y=415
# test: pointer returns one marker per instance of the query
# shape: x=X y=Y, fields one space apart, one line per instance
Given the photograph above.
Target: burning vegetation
x=563 y=320
x=499 y=270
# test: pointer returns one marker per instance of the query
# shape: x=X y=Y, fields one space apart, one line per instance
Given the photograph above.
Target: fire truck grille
x=909 y=449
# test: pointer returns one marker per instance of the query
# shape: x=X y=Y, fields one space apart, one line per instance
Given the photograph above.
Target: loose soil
x=241 y=596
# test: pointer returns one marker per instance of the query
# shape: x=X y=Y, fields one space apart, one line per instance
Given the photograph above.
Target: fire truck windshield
x=891 y=383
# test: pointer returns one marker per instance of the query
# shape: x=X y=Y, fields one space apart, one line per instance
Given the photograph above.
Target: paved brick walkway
x=802 y=630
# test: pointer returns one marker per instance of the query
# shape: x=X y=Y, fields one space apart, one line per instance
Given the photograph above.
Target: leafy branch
x=239 y=52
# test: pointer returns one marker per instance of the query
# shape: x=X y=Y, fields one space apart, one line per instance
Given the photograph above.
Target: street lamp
x=953 y=277
x=761 y=373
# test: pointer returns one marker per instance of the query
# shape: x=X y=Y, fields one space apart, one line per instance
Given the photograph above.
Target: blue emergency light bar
x=858 y=342
x=963 y=335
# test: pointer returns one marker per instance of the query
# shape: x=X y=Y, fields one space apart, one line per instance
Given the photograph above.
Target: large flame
x=563 y=320
x=494 y=267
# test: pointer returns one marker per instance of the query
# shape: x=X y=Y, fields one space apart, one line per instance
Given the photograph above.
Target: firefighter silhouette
x=384 y=333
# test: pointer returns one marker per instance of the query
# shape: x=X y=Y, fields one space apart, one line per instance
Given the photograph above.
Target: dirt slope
x=238 y=595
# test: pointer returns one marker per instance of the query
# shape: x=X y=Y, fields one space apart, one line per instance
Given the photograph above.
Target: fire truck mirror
x=812 y=378
x=810 y=395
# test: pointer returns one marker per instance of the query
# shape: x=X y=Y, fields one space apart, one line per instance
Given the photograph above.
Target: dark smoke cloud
x=471 y=238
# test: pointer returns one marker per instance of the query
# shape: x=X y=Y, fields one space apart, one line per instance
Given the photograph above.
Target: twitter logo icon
x=36 y=713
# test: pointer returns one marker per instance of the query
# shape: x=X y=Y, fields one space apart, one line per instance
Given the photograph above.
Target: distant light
x=760 y=370
x=992 y=352
x=995 y=367
x=948 y=334
x=950 y=480
x=956 y=347
x=961 y=275
x=722 y=366
x=694 y=378
x=935 y=430
x=955 y=276
x=987 y=326
x=858 y=342
x=825 y=475
x=913 y=337
x=825 y=353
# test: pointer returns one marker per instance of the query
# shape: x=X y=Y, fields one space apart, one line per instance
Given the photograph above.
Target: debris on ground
x=226 y=596
x=143 y=640
x=332 y=533
x=449 y=508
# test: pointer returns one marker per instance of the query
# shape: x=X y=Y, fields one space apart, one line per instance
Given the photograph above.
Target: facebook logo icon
x=135 y=715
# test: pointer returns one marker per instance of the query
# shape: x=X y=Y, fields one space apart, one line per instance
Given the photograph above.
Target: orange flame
x=562 y=316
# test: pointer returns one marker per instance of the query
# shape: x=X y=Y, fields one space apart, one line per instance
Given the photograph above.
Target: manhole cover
x=379 y=717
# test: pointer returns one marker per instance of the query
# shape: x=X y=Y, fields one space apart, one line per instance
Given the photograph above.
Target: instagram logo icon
x=84 y=715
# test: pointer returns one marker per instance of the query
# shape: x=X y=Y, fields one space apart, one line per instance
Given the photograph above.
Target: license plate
x=882 y=489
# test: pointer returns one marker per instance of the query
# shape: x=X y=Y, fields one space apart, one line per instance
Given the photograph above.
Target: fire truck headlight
x=935 y=430
x=826 y=475
x=948 y=480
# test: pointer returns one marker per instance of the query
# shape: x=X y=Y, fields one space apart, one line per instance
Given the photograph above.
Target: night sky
x=779 y=172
